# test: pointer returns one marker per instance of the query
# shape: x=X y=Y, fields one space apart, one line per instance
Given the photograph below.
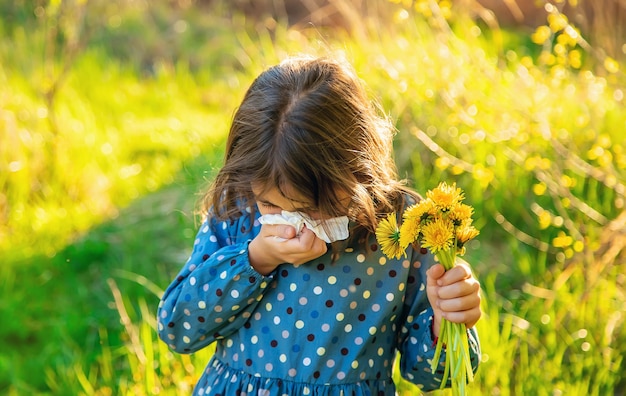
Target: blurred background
x=112 y=121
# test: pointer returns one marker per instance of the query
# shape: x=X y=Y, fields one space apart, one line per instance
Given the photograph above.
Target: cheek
x=314 y=215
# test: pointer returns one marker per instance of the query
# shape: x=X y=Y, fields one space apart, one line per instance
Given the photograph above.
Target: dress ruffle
x=221 y=379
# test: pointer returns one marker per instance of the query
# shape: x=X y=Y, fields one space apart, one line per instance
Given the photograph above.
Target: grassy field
x=105 y=145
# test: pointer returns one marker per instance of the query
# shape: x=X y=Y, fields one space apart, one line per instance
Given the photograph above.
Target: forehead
x=287 y=199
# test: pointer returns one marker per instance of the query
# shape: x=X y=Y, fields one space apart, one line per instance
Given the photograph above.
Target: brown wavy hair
x=307 y=124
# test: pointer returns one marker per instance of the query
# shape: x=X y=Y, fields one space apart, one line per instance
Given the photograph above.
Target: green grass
x=97 y=193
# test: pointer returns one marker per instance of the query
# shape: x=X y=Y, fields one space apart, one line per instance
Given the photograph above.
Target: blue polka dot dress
x=322 y=328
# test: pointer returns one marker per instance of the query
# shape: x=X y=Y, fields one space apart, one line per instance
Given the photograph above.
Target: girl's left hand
x=453 y=294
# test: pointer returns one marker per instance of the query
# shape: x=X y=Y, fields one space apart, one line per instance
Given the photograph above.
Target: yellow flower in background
x=545 y=219
x=539 y=188
x=557 y=22
x=562 y=240
x=611 y=65
x=388 y=236
x=541 y=35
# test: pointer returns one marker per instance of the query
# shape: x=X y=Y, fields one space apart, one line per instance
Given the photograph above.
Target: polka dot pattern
x=323 y=327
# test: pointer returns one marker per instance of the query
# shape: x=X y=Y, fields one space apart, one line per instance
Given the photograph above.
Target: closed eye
x=268 y=205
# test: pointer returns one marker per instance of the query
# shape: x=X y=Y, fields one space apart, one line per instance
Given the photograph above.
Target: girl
x=292 y=313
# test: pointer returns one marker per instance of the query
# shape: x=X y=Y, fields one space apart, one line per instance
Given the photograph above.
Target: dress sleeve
x=417 y=344
x=215 y=292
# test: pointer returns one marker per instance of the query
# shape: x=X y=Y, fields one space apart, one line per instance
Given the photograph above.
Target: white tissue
x=329 y=230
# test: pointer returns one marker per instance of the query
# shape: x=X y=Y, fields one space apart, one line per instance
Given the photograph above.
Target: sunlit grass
x=141 y=365
x=118 y=138
x=96 y=204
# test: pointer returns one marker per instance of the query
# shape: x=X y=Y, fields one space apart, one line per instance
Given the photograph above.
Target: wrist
x=259 y=260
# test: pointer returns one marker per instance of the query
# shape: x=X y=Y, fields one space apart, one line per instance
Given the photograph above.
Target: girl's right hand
x=277 y=244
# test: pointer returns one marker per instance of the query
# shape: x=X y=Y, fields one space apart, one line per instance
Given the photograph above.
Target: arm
x=417 y=343
x=215 y=291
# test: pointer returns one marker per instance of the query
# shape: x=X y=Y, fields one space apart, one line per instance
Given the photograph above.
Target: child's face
x=273 y=202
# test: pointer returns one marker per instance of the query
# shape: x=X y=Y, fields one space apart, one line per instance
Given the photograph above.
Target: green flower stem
x=454 y=336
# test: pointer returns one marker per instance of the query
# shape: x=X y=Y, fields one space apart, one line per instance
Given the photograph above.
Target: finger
x=458 y=304
x=307 y=236
x=469 y=317
x=313 y=244
x=318 y=249
x=433 y=274
x=459 y=289
x=455 y=274
x=305 y=247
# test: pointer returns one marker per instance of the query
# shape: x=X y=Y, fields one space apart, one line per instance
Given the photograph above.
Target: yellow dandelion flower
x=413 y=218
x=388 y=237
x=420 y=211
x=557 y=22
x=464 y=234
x=445 y=196
x=460 y=214
x=541 y=35
x=409 y=232
x=562 y=240
x=438 y=235
x=611 y=65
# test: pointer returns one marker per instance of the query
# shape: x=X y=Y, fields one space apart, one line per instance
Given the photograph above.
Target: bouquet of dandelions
x=443 y=224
